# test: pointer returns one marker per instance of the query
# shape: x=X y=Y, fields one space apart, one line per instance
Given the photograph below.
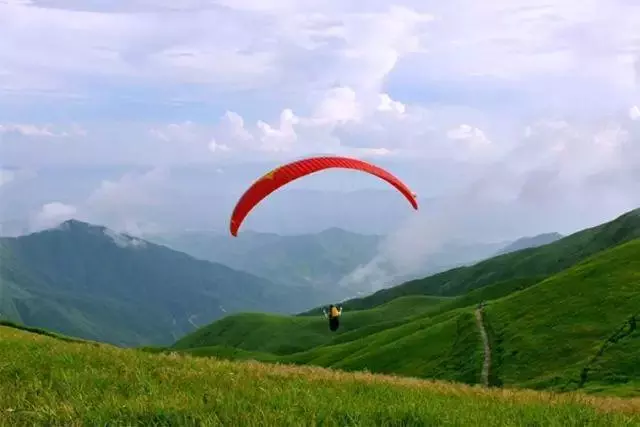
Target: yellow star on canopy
x=269 y=175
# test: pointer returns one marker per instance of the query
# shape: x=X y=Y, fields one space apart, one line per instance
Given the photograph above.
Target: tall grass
x=46 y=381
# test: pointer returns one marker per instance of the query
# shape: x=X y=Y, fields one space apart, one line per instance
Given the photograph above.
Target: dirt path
x=486 y=365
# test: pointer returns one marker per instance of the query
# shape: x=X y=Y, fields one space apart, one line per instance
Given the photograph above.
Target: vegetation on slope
x=46 y=381
x=550 y=331
x=535 y=262
x=542 y=335
x=290 y=334
x=90 y=282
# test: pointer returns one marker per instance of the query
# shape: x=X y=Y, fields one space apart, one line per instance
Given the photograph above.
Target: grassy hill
x=280 y=334
x=575 y=329
x=542 y=261
x=317 y=260
x=548 y=333
x=47 y=381
x=90 y=282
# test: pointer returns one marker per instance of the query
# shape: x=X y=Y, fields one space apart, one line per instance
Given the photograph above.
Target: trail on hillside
x=486 y=365
x=622 y=332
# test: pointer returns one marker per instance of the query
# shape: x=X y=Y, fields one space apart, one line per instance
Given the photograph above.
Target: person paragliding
x=282 y=175
x=333 y=315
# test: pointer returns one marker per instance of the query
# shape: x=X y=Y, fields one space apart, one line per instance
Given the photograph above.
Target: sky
x=509 y=118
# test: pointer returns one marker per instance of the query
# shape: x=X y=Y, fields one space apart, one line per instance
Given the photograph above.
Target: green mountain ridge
x=90 y=282
x=540 y=261
x=565 y=330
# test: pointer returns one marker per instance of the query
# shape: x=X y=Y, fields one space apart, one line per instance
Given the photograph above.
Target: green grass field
x=48 y=381
x=565 y=332
x=548 y=333
x=290 y=334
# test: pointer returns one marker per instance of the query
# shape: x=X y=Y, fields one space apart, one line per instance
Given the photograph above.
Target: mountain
x=542 y=261
x=531 y=242
x=310 y=261
x=88 y=281
x=382 y=272
x=573 y=329
x=337 y=263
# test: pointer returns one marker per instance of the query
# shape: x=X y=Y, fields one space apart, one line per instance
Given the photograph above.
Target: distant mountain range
x=561 y=316
x=309 y=261
x=531 y=242
x=88 y=281
x=337 y=263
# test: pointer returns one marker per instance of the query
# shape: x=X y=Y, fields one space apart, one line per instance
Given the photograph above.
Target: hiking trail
x=486 y=365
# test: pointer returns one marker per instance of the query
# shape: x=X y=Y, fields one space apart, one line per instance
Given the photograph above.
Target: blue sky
x=528 y=104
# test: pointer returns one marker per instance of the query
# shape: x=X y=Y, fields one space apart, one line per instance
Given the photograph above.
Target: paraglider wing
x=282 y=175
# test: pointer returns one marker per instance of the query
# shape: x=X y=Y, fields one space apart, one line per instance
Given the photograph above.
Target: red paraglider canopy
x=282 y=175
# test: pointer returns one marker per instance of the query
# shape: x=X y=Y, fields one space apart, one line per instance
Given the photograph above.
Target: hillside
x=572 y=330
x=542 y=261
x=383 y=272
x=530 y=242
x=567 y=319
x=281 y=335
x=98 y=384
x=317 y=261
x=90 y=282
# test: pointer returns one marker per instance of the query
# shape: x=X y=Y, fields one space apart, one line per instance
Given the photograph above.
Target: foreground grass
x=46 y=381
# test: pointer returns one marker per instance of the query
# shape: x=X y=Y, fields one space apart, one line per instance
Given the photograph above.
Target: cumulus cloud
x=336 y=74
x=52 y=214
x=126 y=203
x=528 y=101
x=562 y=176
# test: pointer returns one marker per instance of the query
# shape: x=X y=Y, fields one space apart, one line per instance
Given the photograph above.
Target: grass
x=560 y=333
x=549 y=332
x=47 y=381
x=291 y=334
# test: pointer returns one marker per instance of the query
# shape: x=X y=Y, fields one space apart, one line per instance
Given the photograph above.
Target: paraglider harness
x=334 y=316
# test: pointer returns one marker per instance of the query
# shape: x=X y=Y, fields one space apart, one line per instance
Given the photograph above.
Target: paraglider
x=284 y=174
x=333 y=316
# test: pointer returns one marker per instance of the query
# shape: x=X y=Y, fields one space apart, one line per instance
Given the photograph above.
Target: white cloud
x=474 y=138
x=123 y=240
x=215 y=147
x=51 y=214
x=30 y=130
x=531 y=98
x=182 y=132
x=130 y=190
x=25 y=130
